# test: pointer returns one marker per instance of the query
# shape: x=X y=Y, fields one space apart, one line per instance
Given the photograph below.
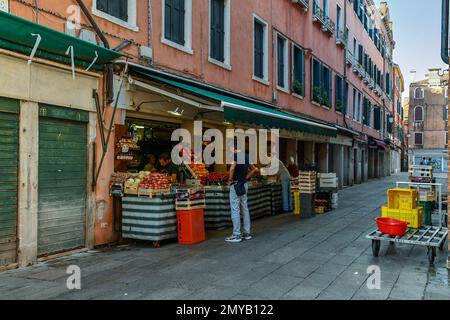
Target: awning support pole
x=116 y=103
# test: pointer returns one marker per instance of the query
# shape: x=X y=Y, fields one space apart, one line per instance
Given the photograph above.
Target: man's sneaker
x=247 y=236
x=234 y=239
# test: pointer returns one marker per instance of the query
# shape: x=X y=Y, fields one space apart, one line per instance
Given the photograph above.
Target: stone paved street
x=322 y=258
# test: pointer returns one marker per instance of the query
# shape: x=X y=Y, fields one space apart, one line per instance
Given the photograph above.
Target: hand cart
x=430 y=237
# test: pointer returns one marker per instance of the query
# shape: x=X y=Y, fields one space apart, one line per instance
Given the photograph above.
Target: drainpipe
x=444 y=31
x=109 y=67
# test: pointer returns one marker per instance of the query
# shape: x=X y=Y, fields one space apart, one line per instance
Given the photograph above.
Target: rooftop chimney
x=412 y=75
x=434 y=77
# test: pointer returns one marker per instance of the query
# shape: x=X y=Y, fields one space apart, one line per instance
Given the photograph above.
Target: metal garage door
x=62 y=180
x=9 y=155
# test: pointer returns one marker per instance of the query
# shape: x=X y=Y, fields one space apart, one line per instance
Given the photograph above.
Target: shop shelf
x=402 y=198
x=413 y=216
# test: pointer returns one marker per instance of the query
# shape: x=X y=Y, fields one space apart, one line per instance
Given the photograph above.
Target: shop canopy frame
x=20 y=35
x=242 y=111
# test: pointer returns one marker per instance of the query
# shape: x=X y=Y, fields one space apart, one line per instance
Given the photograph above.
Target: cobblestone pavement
x=321 y=258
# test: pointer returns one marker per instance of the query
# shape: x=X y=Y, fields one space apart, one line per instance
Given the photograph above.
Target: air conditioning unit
x=4 y=5
x=88 y=35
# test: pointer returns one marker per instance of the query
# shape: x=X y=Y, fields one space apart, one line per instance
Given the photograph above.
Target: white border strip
x=240 y=107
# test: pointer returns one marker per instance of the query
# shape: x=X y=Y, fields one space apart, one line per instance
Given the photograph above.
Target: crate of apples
x=155 y=181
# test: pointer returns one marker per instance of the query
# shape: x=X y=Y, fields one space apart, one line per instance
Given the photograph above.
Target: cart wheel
x=375 y=247
x=156 y=244
x=431 y=254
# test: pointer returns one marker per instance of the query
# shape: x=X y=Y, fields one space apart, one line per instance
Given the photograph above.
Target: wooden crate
x=132 y=191
x=151 y=193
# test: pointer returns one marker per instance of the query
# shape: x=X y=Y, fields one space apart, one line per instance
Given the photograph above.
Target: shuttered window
x=366 y=111
x=281 y=63
x=298 y=71
x=115 y=8
x=174 y=20
x=316 y=85
x=326 y=89
x=418 y=138
x=259 y=49
x=339 y=96
x=389 y=124
x=217 y=32
x=377 y=118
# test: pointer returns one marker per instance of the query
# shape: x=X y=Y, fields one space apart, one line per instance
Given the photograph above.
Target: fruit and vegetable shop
x=155 y=200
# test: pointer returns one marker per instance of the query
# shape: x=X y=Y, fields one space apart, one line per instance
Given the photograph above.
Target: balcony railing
x=341 y=38
x=318 y=15
x=302 y=3
x=329 y=25
x=349 y=58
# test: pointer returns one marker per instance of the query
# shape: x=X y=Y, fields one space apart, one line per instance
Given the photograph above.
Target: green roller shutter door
x=62 y=180
x=9 y=155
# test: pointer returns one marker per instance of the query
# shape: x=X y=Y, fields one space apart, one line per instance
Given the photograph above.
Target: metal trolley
x=430 y=237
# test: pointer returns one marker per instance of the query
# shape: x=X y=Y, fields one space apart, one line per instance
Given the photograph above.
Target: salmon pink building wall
x=291 y=21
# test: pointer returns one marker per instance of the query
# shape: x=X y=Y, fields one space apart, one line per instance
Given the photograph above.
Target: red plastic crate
x=191 y=226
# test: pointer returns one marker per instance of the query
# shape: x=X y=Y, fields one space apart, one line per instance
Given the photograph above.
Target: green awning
x=16 y=35
x=242 y=111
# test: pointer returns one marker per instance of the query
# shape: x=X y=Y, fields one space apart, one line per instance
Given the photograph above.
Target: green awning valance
x=16 y=35
x=242 y=111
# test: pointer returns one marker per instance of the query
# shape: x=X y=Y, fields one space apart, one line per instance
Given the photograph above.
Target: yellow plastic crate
x=402 y=198
x=296 y=203
x=413 y=216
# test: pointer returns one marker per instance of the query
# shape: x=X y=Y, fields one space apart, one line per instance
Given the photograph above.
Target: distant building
x=427 y=120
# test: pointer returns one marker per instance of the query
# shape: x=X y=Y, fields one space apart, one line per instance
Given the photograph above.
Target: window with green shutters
x=339 y=96
x=316 y=81
x=389 y=124
x=217 y=32
x=298 y=71
x=281 y=61
x=174 y=20
x=377 y=118
x=326 y=87
x=115 y=8
x=259 y=49
x=366 y=111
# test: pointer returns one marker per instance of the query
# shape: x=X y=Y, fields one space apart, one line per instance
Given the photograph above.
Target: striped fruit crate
x=152 y=219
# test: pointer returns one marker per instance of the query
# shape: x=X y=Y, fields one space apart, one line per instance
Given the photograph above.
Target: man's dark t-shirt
x=241 y=170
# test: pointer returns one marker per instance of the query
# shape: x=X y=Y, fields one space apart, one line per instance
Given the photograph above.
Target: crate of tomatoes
x=215 y=179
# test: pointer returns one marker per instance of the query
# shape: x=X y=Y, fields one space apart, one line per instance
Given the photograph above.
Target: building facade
x=325 y=65
x=427 y=120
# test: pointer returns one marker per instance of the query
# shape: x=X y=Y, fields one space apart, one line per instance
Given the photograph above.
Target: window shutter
x=168 y=19
x=123 y=10
x=102 y=5
x=377 y=118
x=218 y=30
x=259 y=51
x=280 y=59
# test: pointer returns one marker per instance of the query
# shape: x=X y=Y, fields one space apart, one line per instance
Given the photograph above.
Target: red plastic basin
x=392 y=227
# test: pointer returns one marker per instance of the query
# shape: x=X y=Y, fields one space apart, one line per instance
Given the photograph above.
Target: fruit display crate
x=153 y=219
x=151 y=193
x=190 y=198
x=218 y=210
